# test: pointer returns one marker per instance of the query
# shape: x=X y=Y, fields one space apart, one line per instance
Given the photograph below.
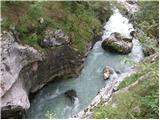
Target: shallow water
x=90 y=81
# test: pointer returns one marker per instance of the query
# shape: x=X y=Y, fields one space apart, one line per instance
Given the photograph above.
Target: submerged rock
x=118 y=43
x=71 y=94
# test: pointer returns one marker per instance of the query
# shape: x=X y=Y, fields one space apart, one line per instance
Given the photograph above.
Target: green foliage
x=50 y=115
x=142 y=70
x=123 y=109
x=100 y=112
x=129 y=80
x=139 y=101
x=35 y=10
x=126 y=60
x=31 y=40
x=147 y=18
x=76 y=18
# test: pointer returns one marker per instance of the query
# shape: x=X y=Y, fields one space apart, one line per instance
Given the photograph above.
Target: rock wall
x=59 y=62
x=14 y=94
x=25 y=70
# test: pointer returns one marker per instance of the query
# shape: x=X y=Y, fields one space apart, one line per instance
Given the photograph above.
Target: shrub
x=147 y=18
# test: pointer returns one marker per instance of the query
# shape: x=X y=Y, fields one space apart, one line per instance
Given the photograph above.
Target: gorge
x=79 y=59
x=90 y=81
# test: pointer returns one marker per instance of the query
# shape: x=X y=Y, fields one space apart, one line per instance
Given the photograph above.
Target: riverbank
x=60 y=42
x=137 y=95
x=91 y=75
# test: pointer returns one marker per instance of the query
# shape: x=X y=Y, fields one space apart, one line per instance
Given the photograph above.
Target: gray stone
x=118 y=43
x=107 y=71
x=54 y=38
x=13 y=92
x=24 y=70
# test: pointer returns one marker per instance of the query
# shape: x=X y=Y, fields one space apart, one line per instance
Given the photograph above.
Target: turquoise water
x=51 y=98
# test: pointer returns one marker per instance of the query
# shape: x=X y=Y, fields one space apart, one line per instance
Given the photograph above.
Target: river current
x=51 y=98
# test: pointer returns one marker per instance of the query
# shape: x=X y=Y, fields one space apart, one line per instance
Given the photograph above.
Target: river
x=52 y=99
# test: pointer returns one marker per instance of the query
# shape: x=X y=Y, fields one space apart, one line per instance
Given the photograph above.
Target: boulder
x=107 y=71
x=54 y=38
x=133 y=33
x=71 y=94
x=118 y=43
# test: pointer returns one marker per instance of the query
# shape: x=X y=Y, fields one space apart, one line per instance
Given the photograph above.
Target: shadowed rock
x=71 y=94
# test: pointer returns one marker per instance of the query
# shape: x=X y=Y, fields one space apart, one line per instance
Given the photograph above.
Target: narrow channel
x=52 y=98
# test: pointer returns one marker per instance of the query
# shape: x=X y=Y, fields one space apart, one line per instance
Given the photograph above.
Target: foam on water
x=117 y=23
x=90 y=81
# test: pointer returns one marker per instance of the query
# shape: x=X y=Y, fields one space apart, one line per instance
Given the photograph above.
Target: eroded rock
x=59 y=62
x=24 y=70
x=14 y=94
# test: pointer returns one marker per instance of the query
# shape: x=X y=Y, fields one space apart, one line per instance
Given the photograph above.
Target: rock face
x=25 y=70
x=107 y=72
x=118 y=43
x=14 y=94
x=58 y=62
